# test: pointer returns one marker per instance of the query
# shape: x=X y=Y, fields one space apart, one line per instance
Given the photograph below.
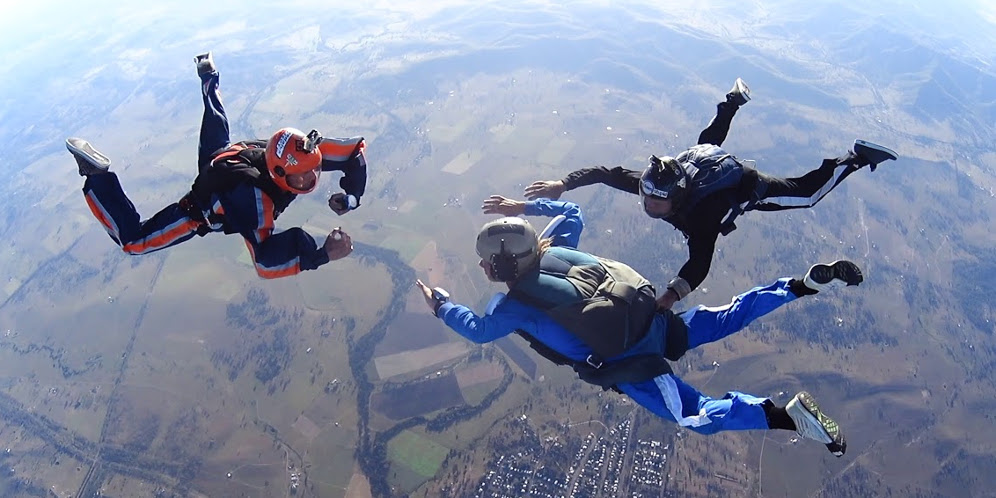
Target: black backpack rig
x=230 y=167
x=614 y=314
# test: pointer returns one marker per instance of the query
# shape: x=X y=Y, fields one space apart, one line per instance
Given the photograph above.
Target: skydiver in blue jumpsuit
x=655 y=387
x=257 y=180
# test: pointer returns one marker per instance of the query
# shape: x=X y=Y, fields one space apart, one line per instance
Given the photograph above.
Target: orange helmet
x=290 y=152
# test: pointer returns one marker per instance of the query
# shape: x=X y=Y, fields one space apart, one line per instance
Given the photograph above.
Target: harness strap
x=228 y=153
x=737 y=209
x=621 y=290
x=189 y=206
x=636 y=368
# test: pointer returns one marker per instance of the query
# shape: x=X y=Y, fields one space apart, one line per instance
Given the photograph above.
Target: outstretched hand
x=427 y=294
x=339 y=204
x=338 y=244
x=497 y=204
x=550 y=189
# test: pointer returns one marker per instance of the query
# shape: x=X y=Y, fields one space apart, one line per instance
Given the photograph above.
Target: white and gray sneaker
x=821 y=277
x=739 y=94
x=89 y=160
x=871 y=153
x=811 y=423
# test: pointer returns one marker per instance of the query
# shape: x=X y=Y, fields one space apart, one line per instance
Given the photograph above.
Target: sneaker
x=740 y=94
x=90 y=161
x=811 y=423
x=205 y=64
x=821 y=277
x=872 y=154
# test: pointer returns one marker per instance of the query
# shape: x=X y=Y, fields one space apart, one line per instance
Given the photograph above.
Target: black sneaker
x=821 y=277
x=740 y=94
x=90 y=160
x=205 y=64
x=812 y=423
x=872 y=154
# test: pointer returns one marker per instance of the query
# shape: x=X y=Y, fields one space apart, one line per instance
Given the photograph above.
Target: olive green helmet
x=511 y=247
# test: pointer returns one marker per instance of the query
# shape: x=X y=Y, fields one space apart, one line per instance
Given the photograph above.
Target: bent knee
x=134 y=249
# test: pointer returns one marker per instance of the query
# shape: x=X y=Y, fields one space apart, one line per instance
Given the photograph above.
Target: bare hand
x=427 y=294
x=497 y=204
x=338 y=204
x=338 y=245
x=667 y=300
x=550 y=189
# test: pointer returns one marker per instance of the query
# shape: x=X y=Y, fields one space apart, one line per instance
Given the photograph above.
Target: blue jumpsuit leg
x=112 y=208
x=214 y=124
x=706 y=324
x=670 y=398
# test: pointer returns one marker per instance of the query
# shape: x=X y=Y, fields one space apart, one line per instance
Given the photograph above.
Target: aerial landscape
x=182 y=373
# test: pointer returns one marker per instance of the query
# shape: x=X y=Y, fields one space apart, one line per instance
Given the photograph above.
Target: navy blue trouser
x=170 y=226
x=214 y=123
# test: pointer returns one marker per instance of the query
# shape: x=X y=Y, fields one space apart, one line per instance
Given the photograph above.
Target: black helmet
x=664 y=178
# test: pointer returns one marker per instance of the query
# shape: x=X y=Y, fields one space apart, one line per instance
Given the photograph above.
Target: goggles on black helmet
x=663 y=179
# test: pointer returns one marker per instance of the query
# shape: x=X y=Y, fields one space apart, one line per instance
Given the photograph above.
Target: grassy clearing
x=359 y=487
x=405 y=479
x=463 y=161
x=332 y=463
x=419 y=454
x=410 y=361
x=450 y=131
x=478 y=372
x=476 y=393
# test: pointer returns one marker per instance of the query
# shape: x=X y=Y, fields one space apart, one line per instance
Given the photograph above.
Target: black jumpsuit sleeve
x=618 y=178
x=701 y=246
x=703 y=229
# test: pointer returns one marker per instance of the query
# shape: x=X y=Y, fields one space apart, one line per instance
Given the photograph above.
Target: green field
x=405 y=479
x=476 y=393
x=417 y=453
x=331 y=457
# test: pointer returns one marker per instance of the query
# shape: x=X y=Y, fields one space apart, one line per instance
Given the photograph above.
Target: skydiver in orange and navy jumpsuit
x=241 y=188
